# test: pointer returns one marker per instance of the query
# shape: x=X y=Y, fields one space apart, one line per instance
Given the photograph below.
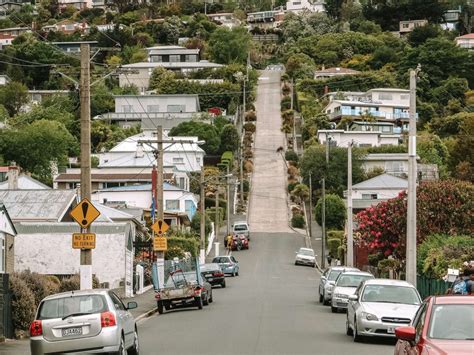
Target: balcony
x=377 y=114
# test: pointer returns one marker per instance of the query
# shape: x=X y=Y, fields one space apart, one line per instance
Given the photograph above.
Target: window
x=127 y=108
x=181 y=182
x=419 y=322
x=190 y=58
x=117 y=302
x=406 y=25
x=386 y=129
x=172 y=205
x=176 y=108
x=156 y=59
x=60 y=307
x=404 y=97
x=153 y=108
x=178 y=160
x=69 y=27
x=385 y=96
x=198 y=160
x=175 y=58
x=394 y=166
x=369 y=196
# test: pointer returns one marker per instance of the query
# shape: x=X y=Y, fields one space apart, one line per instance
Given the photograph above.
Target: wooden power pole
x=85 y=98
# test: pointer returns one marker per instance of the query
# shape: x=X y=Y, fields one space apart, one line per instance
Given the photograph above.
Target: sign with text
x=160 y=244
x=83 y=241
x=85 y=213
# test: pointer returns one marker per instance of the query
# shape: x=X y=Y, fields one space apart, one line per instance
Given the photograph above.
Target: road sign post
x=84 y=213
x=160 y=244
x=160 y=227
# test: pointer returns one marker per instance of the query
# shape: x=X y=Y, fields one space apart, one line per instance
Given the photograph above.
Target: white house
x=408 y=26
x=174 y=58
x=386 y=104
x=15 y=181
x=4 y=79
x=342 y=138
x=132 y=152
x=305 y=5
x=466 y=41
x=396 y=164
x=7 y=234
x=377 y=189
x=149 y=111
x=226 y=19
x=175 y=199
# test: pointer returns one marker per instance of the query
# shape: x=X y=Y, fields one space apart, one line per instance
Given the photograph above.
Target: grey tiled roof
x=384 y=181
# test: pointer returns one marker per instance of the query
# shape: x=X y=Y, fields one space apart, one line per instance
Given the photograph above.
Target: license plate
x=391 y=330
x=210 y=279
x=67 y=332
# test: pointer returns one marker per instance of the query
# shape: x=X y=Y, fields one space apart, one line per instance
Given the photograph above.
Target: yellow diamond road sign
x=85 y=213
x=160 y=244
x=160 y=227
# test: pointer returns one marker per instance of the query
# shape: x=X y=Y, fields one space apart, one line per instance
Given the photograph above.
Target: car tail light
x=107 y=319
x=157 y=296
x=218 y=273
x=197 y=291
x=36 y=328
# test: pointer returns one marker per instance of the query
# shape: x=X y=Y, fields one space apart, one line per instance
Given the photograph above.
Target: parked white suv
x=241 y=227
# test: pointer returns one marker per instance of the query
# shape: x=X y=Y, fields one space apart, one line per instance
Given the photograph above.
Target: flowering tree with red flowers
x=443 y=207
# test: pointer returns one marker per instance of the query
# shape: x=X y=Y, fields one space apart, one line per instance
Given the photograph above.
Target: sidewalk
x=146 y=304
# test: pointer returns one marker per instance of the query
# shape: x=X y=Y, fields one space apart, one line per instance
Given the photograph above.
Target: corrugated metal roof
x=26 y=182
x=384 y=181
x=144 y=187
x=45 y=228
x=37 y=205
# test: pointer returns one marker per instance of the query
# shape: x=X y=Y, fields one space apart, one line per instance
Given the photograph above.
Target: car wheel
x=320 y=298
x=233 y=273
x=314 y=265
x=348 y=329
x=296 y=263
x=237 y=273
x=198 y=301
x=160 y=307
x=223 y=284
x=135 y=349
x=325 y=301
x=334 y=309
x=356 y=336
x=121 y=349
x=210 y=298
x=205 y=301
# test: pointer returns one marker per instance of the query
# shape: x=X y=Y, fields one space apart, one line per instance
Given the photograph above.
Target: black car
x=213 y=274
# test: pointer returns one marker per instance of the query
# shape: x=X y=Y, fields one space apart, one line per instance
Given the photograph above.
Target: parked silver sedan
x=346 y=285
x=327 y=281
x=379 y=306
x=91 y=321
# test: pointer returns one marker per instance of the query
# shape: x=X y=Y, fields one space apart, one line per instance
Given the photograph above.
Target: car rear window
x=61 y=307
x=240 y=227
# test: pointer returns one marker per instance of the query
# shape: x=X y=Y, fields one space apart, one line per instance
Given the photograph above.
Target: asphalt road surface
x=271 y=308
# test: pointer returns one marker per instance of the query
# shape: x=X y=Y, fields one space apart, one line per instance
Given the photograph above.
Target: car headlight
x=329 y=287
x=369 y=316
x=341 y=295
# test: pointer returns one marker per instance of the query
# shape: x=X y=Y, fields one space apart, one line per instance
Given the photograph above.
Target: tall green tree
x=335 y=212
x=13 y=96
x=203 y=131
x=228 y=46
x=35 y=146
x=229 y=139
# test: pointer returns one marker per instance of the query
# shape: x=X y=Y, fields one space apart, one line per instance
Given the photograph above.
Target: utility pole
x=217 y=215
x=85 y=97
x=160 y=255
x=350 y=237
x=228 y=201
x=294 y=119
x=323 y=206
x=310 y=206
x=411 y=196
x=241 y=162
x=202 y=255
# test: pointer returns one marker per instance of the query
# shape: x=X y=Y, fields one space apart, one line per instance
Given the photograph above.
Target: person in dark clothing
x=470 y=285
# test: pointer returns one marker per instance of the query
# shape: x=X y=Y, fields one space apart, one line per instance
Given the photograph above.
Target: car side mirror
x=353 y=298
x=132 y=305
x=406 y=333
x=323 y=278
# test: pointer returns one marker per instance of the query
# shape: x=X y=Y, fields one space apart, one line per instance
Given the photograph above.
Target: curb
x=146 y=314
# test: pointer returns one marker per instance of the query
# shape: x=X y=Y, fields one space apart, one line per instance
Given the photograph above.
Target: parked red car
x=443 y=325
x=239 y=242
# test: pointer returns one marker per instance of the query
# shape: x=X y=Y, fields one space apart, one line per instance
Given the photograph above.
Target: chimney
x=12 y=176
x=323 y=67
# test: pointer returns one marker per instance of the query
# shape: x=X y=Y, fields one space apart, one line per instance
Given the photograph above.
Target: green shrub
x=73 y=283
x=250 y=127
x=196 y=223
x=285 y=103
x=290 y=155
x=174 y=252
x=246 y=186
x=211 y=213
x=297 y=221
x=250 y=116
x=23 y=303
x=36 y=283
x=190 y=245
x=335 y=234
x=335 y=212
x=333 y=245
x=211 y=203
x=291 y=186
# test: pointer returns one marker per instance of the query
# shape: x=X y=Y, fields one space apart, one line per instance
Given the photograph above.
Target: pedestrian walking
x=229 y=243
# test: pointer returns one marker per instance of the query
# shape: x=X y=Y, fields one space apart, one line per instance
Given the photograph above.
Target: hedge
x=190 y=245
x=23 y=303
x=297 y=221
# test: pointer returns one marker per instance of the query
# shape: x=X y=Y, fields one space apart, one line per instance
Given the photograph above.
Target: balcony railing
x=138 y=116
x=376 y=114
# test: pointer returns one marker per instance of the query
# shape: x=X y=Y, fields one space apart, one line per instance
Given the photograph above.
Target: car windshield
x=306 y=252
x=390 y=294
x=221 y=260
x=452 y=322
x=334 y=274
x=352 y=280
x=64 y=306
x=240 y=227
